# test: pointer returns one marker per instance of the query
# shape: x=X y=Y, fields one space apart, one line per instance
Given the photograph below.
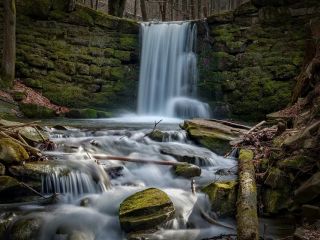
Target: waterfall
x=168 y=71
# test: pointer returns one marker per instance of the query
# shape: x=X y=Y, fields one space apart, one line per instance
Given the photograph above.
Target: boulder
x=81 y=235
x=311 y=213
x=145 y=210
x=35 y=170
x=10 y=187
x=276 y=178
x=12 y=152
x=275 y=200
x=25 y=229
x=31 y=134
x=211 y=134
x=309 y=190
x=223 y=197
x=187 y=170
x=158 y=135
x=36 y=111
x=87 y=113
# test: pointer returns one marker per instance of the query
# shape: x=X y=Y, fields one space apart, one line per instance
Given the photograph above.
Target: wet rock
x=5 y=221
x=145 y=210
x=213 y=135
x=114 y=171
x=12 y=152
x=158 y=135
x=275 y=200
x=223 y=196
x=183 y=154
x=2 y=169
x=10 y=187
x=35 y=170
x=25 y=229
x=87 y=113
x=187 y=170
x=309 y=190
x=81 y=235
x=33 y=135
x=294 y=162
x=276 y=178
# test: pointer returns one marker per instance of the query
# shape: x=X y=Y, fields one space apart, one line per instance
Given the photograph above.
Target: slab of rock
x=213 y=135
x=223 y=197
x=2 y=169
x=309 y=190
x=12 y=152
x=145 y=210
x=187 y=170
x=31 y=134
x=35 y=170
x=25 y=229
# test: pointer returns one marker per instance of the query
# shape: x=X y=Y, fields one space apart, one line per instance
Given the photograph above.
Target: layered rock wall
x=81 y=58
x=250 y=57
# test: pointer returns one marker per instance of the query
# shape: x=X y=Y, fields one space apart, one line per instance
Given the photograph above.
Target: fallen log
x=136 y=160
x=231 y=124
x=247 y=214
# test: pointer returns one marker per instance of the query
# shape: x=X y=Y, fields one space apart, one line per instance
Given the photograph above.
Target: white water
x=168 y=71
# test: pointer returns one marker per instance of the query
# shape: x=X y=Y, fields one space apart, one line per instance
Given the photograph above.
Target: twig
x=154 y=128
x=39 y=133
x=33 y=190
x=255 y=127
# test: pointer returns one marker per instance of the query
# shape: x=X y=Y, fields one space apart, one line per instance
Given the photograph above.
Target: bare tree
x=116 y=7
x=9 y=44
x=143 y=10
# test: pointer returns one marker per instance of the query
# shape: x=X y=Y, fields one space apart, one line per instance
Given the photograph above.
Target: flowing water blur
x=90 y=198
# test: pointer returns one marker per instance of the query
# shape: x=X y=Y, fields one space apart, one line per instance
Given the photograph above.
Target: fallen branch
x=255 y=127
x=135 y=160
x=154 y=128
x=46 y=200
x=33 y=190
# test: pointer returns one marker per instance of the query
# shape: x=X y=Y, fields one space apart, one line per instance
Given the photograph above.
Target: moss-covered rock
x=275 y=200
x=309 y=190
x=8 y=184
x=31 y=134
x=12 y=152
x=27 y=228
x=223 y=196
x=187 y=170
x=158 y=135
x=276 y=178
x=82 y=113
x=36 y=111
x=145 y=210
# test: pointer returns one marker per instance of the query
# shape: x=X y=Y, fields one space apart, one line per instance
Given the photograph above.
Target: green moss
x=12 y=152
x=19 y=96
x=187 y=170
x=66 y=67
x=294 y=162
x=276 y=178
x=81 y=17
x=82 y=113
x=275 y=200
x=33 y=83
x=128 y=43
x=222 y=196
x=94 y=71
x=246 y=154
x=124 y=56
x=117 y=73
x=36 y=111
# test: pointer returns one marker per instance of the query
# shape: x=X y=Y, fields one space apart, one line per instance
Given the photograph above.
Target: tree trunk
x=143 y=10
x=97 y=4
x=135 y=9
x=247 y=215
x=199 y=8
x=193 y=9
x=91 y=3
x=71 y=5
x=116 y=7
x=9 y=44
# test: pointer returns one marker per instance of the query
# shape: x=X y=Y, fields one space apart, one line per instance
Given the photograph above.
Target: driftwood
x=136 y=160
x=247 y=213
x=256 y=126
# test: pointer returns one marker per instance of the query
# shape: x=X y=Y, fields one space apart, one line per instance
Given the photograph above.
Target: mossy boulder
x=87 y=113
x=27 y=228
x=32 y=134
x=158 y=135
x=145 y=210
x=275 y=200
x=12 y=152
x=276 y=178
x=187 y=170
x=223 y=197
x=8 y=183
x=36 y=111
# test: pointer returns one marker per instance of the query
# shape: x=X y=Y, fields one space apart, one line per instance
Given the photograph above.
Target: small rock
x=187 y=170
x=145 y=210
x=2 y=169
x=158 y=135
x=114 y=171
x=12 y=152
x=223 y=196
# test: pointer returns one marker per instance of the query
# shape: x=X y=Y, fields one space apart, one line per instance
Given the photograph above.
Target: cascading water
x=168 y=71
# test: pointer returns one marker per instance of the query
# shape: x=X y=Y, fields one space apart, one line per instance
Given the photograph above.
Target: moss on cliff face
x=250 y=61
